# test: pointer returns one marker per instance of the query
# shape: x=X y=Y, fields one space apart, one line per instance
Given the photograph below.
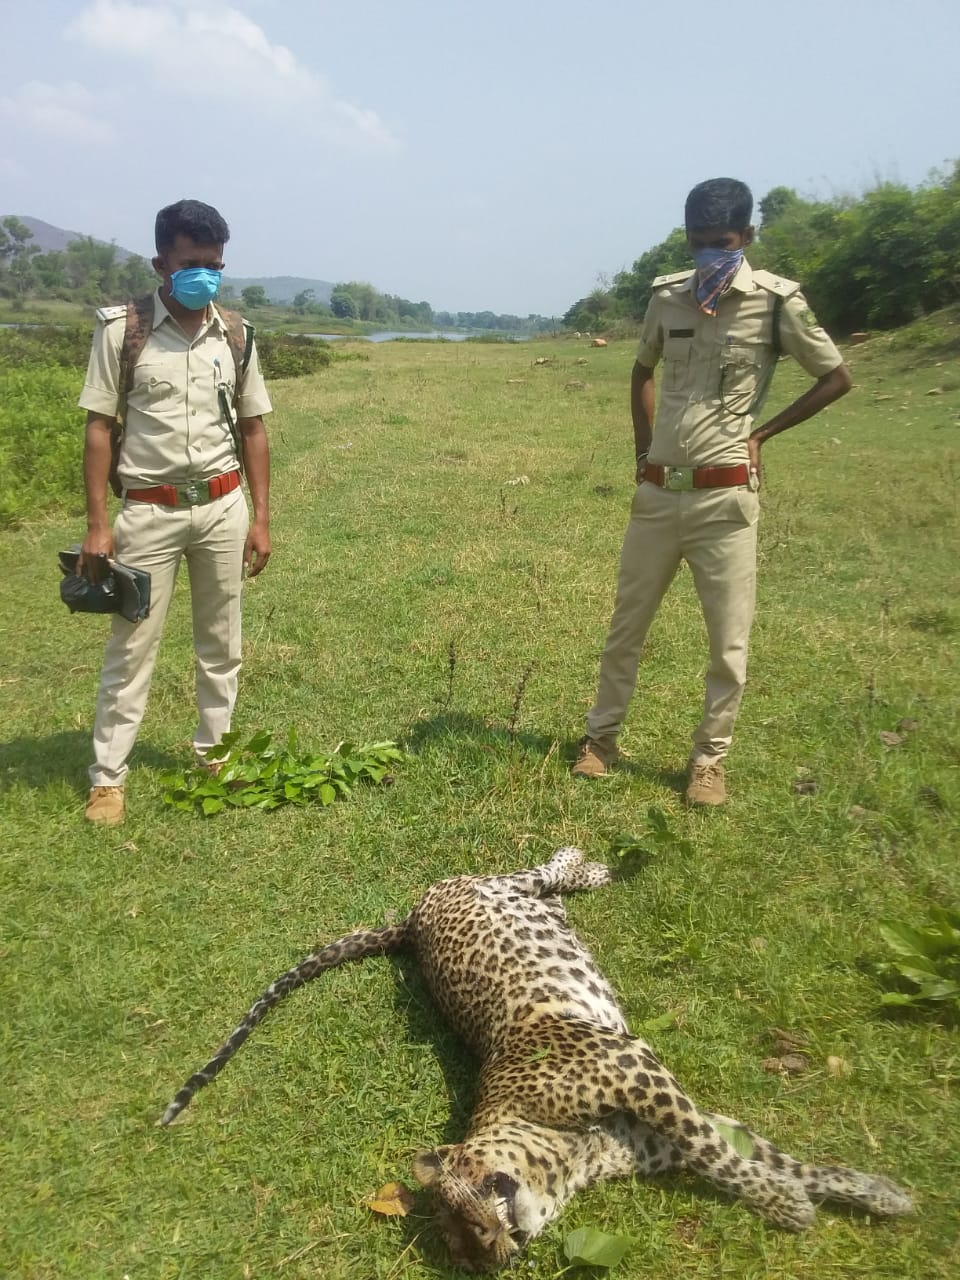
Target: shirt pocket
x=152 y=383
x=677 y=353
x=741 y=372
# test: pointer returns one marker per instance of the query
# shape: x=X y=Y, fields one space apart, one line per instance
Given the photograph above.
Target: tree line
x=85 y=271
x=93 y=273
x=869 y=263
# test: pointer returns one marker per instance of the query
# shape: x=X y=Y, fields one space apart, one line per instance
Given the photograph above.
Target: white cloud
x=215 y=51
x=66 y=112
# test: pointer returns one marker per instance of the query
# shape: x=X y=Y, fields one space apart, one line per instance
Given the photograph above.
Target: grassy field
x=447 y=524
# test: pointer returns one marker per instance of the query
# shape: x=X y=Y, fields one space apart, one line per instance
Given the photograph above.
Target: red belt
x=192 y=494
x=695 y=477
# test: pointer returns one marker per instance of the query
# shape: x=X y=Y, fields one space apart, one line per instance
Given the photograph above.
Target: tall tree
x=632 y=289
x=254 y=295
x=16 y=254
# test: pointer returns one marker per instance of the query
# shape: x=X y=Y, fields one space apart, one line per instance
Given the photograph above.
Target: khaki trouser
x=715 y=531
x=155 y=538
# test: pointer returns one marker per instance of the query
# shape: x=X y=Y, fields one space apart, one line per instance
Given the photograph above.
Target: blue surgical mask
x=194 y=287
x=709 y=260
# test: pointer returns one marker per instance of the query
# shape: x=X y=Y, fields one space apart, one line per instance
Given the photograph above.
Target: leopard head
x=482 y=1203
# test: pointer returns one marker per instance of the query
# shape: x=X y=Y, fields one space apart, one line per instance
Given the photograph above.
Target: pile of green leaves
x=259 y=775
x=925 y=971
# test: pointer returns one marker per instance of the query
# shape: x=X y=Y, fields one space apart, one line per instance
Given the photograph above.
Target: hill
x=53 y=239
x=283 y=289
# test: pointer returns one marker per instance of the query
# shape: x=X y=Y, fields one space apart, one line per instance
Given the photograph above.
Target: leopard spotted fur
x=566 y=1096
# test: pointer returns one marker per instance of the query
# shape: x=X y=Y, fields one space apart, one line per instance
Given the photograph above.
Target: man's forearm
x=642 y=406
x=256 y=465
x=824 y=391
x=96 y=469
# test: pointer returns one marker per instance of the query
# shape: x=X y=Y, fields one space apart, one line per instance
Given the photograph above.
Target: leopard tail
x=354 y=946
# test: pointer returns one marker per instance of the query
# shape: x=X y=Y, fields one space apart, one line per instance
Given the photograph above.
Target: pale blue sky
x=495 y=155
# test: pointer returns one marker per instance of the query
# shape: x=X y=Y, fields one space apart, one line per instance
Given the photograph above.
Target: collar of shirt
x=161 y=313
x=742 y=281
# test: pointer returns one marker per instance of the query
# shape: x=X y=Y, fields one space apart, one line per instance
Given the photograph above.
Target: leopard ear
x=427 y=1165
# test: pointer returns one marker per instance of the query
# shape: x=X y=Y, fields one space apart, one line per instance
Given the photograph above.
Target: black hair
x=200 y=222
x=719 y=202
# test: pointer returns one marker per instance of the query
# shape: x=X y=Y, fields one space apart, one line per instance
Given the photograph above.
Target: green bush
x=287 y=355
x=41 y=439
x=43 y=345
x=41 y=428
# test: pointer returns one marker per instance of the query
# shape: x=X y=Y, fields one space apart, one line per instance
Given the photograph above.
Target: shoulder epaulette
x=675 y=278
x=106 y=314
x=778 y=285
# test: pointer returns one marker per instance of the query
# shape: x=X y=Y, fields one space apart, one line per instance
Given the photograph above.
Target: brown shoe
x=705 y=783
x=593 y=760
x=105 y=806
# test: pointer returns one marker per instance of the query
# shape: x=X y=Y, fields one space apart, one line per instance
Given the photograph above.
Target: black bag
x=121 y=590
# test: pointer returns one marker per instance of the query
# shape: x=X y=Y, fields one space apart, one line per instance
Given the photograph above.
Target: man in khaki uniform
x=187 y=428
x=718 y=330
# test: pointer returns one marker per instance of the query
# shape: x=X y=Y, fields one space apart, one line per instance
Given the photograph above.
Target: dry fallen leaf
x=394 y=1200
x=790 y=1064
x=805 y=787
x=785 y=1040
x=932 y=797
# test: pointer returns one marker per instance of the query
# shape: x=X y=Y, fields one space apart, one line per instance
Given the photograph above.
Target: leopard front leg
x=573 y=1073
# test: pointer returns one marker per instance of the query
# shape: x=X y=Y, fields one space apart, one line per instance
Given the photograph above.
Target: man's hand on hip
x=753 y=451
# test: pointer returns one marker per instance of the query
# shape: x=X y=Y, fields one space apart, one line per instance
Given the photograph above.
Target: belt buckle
x=678 y=478
x=191 y=494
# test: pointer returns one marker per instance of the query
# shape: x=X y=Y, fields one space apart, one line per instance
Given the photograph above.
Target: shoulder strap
x=240 y=339
x=675 y=277
x=137 y=328
x=777 y=312
x=136 y=331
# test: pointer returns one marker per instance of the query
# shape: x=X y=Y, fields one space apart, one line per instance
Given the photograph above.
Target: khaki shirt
x=175 y=429
x=716 y=369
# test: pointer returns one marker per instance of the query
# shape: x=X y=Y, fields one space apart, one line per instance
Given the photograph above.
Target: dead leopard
x=567 y=1096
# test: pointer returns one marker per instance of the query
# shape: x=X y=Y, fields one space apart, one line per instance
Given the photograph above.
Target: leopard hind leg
x=627 y=1077
x=872 y=1193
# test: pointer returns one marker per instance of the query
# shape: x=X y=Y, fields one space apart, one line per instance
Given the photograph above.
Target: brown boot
x=593 y=760
x=105 y=806
x=705 y=783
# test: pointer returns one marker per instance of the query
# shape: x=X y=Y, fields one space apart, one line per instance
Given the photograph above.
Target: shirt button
x=193 y=413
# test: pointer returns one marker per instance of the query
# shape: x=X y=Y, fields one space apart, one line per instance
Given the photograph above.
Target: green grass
x=411 y=588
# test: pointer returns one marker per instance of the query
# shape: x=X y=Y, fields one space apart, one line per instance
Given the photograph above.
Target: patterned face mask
x=715 y=269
